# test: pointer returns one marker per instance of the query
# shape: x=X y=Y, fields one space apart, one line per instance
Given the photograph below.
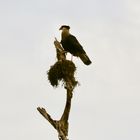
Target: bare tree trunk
x=61 y=125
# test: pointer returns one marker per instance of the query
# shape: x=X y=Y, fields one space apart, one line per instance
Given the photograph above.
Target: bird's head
x=65 y=29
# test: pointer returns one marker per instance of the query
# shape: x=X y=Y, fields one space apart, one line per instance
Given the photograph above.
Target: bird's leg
x=65 y=53
x=71 y=57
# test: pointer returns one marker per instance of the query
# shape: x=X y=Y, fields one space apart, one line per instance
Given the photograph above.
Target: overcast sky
x=106 y=105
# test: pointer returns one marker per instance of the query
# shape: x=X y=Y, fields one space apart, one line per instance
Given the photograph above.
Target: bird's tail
x=85 y=59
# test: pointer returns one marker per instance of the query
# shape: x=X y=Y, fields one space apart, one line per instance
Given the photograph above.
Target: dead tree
x=62 y=70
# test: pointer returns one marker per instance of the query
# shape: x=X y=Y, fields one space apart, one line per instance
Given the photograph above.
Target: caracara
x=71 y=45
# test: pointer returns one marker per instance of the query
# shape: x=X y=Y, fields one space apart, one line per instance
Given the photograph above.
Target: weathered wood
x=60 y=53
x=61 y=125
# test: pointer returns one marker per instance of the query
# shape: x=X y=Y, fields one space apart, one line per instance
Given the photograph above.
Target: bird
x=70 y=44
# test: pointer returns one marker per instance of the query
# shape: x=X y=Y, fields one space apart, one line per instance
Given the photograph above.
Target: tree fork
x=61 y=125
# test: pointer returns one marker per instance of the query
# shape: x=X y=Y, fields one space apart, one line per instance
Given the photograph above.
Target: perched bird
x=71 y=45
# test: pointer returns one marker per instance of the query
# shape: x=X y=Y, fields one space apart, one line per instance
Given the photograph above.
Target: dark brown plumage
x=72 y=45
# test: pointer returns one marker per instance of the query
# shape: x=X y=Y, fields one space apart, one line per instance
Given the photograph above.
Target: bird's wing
x=74 y=42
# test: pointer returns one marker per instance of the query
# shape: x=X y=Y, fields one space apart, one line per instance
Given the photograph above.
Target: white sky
x=107 y=104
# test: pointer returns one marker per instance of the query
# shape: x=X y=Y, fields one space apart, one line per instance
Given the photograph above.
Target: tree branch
x=61 y=125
